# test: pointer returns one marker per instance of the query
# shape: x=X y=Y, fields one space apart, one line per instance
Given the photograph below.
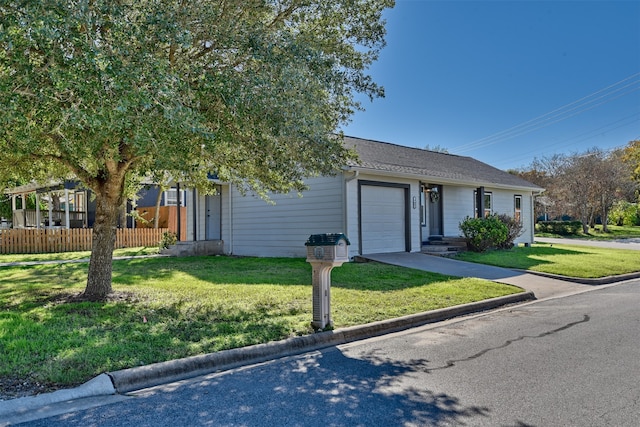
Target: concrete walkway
x=542 y=287
x=79 y=260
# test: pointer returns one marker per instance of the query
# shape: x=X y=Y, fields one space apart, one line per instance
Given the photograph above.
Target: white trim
x=171 y=197
x=442 y=181
x=38 y=215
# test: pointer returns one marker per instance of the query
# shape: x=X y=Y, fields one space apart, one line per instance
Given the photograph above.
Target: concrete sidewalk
x=76 y=261
x=632 y=244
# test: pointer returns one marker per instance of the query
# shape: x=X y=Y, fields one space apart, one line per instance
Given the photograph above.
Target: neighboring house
x=167 y=201
x=392 y=199
x=69 y=205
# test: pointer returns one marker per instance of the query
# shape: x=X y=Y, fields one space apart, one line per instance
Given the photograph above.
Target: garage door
x=382 y=215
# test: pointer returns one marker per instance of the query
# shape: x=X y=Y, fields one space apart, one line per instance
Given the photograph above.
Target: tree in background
x=108 y=91
x=5 y=206
x=631 y=156
x=545 y=172
x=583 y=185
x=613 y=183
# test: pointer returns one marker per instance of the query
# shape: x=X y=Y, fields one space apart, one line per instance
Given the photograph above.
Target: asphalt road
x=570 y=361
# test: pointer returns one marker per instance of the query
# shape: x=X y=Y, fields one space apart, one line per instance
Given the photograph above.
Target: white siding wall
x=457 y=205
x=504 y=203
x=281 y=229
x=331 y=206
x=227 y=218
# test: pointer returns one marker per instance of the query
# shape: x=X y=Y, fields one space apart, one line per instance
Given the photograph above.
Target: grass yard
x=167 y=308
x=568 y=260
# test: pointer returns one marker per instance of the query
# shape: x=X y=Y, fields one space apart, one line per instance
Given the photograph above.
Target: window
x=517 y=208
x=487 y=204
x=171 y=197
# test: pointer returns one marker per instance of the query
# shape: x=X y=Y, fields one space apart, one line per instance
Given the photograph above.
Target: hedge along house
x=391 y=199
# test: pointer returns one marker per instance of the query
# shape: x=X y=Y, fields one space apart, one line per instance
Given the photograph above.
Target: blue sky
x=507 y=81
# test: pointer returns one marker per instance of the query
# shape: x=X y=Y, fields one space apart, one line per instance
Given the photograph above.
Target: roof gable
x=430 y=165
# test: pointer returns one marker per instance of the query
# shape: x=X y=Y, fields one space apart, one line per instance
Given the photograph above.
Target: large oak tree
x=108 y=91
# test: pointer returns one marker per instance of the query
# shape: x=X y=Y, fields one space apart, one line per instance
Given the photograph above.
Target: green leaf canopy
x=108 y=91
x=252 y=90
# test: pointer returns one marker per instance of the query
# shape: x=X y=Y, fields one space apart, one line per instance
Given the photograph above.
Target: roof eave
x=441 y=180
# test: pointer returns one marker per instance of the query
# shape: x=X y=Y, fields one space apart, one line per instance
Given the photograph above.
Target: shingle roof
x=430 y=165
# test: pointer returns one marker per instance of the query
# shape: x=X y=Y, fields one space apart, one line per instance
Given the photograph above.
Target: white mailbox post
x=324 y=251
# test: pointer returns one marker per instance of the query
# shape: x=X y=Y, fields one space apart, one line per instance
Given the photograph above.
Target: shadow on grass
x=166 y=308
x=271 y=271
x=48 y=340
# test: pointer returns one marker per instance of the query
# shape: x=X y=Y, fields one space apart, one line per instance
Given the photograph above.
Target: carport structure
x=56 y=205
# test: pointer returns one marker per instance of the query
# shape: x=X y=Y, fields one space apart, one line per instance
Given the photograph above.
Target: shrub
x=514 y=230
x=484 y=233
x=563 y=228
x=625 y=213
x=168 y=238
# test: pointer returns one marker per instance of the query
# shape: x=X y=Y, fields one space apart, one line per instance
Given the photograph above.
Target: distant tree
x=5 y=206
x=545 y=172
x=437 y=149
x=584 y=185
x=578 y=186
x=108 y=91
x=631 y=156
x=613 y=182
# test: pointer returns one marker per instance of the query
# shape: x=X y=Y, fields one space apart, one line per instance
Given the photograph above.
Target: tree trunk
x=605 y=221
x=156 y=219
x=104 y=237
x=122 y=216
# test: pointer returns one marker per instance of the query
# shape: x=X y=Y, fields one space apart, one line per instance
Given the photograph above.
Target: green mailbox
x=324 y=251
x=327 y=247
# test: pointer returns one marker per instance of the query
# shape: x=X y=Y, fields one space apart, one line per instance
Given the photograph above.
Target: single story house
x=392 y=199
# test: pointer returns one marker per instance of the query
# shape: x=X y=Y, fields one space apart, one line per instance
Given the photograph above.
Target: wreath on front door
x=434 y=196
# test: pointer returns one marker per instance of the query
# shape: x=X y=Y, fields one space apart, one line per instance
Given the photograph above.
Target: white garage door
x=382 y=216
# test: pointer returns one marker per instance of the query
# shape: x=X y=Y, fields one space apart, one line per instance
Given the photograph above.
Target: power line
x=577 y=139
x=559 y=114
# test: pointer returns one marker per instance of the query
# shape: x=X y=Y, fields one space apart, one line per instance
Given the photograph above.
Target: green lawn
x=169 y=308
x=564 y=259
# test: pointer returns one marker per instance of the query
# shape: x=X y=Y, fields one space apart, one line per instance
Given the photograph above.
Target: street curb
x=131 y=379
x=98 y=386
x=128 y=380
x=585 y=281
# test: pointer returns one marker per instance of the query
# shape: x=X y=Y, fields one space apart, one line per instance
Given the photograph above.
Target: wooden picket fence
x=35 y=241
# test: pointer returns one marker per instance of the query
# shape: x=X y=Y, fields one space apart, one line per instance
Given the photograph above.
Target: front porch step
x=443 y=246
x=201 y=247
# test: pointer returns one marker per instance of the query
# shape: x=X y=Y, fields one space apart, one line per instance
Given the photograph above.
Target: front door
x=434 y=201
